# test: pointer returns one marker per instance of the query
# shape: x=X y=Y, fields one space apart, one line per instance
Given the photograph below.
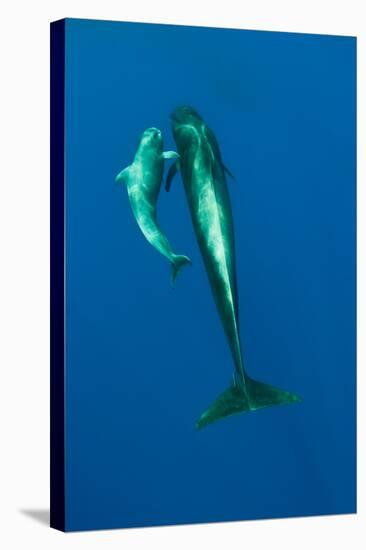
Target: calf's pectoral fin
x=170 y=155
x=235 y=400
x=171 y=173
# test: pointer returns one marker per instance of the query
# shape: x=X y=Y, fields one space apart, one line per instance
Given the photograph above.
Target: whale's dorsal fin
x=124 y=175
x=226 y=169
x=211 y=138
x=170 y=155
x=171 y=173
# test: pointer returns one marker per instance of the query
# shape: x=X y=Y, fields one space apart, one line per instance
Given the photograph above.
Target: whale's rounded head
x=185 y=115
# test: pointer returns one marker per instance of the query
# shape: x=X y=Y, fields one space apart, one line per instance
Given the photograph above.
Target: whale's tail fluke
x=235 y=400
x=178 y=262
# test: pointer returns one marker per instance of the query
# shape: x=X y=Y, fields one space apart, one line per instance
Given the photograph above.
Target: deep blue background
x=143 y=360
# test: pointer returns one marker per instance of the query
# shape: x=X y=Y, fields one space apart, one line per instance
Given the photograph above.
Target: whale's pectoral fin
x=235 y=400
x=124 y=175
x=226 y=169
x=171 y=173
x=170 y=155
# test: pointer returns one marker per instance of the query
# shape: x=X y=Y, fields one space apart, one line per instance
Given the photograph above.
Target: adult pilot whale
x=203 y=174
x=143 y=179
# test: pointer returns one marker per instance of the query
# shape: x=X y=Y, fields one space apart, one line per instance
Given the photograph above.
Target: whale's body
x=143 y=180
x=203 y=174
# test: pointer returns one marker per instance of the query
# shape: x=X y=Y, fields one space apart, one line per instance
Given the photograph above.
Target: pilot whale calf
x=143 y=179
x=203 y=174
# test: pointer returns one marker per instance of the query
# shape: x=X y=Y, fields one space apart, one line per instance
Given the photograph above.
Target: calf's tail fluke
x=236 y=400
x=178 y=262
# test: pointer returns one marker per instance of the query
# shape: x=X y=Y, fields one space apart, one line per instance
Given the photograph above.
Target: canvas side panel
x=57 y=451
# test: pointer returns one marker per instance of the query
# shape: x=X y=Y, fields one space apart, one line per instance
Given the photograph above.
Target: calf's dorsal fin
x=124 y=175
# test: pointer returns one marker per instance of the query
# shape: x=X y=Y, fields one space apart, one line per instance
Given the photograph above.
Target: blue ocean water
x=143 y=360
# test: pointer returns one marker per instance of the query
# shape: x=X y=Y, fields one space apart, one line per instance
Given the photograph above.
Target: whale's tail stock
x=236 y=400
x=178 y=263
